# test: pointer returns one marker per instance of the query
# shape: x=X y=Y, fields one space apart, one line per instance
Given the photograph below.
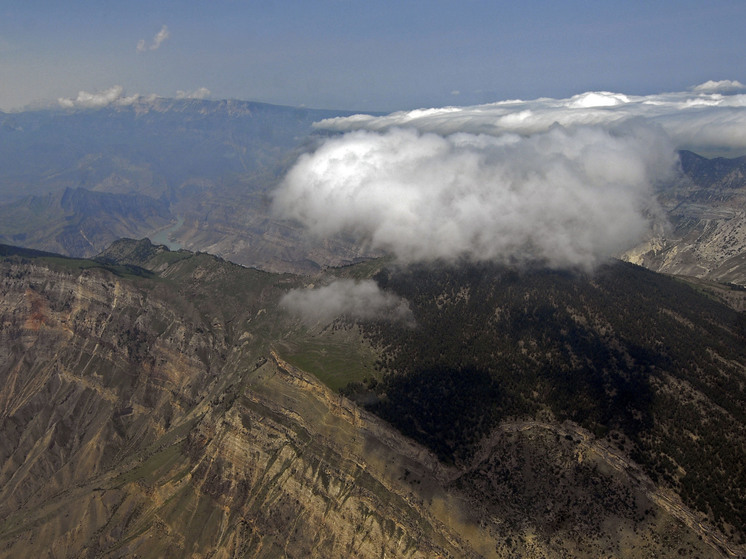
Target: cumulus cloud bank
x=564 y=197
x=161 y=36
x=710 y=118
x=563 y=182
x=86 y=100
x=358 y=300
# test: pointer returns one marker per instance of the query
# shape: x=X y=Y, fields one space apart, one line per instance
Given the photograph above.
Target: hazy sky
x=374 y=55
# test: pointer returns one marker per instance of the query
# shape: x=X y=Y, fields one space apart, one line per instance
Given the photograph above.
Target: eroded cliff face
x=137 y=419
x=95 y=370
x=705 y=233
x=130 y=427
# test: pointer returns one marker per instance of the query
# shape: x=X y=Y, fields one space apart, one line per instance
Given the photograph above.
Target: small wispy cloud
x=158 y=40
x=721 y=86
x=362 y=300
x=200 y=93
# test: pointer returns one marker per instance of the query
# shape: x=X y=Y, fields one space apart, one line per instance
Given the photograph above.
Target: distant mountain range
x=149 y=147
x=207 y=168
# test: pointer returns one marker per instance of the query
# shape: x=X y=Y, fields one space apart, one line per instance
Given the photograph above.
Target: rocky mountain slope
x=152 y=404
x=706 y=233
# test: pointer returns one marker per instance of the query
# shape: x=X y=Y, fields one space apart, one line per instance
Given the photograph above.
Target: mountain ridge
x=171 y=416
x=704 y=236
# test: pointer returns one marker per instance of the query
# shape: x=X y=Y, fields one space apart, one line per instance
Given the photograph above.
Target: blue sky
x=377 y=56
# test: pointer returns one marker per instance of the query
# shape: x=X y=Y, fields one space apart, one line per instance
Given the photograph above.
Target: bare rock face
x=149 y=416
x=706 y=233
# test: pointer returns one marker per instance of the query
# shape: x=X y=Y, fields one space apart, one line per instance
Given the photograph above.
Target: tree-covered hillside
x=631 y=355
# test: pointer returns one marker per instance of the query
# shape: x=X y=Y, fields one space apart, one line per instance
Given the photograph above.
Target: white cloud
x=710 y=118
x=201 y=93
x=721 y=86
x=161 y=36
x=565 y=196
x=115 y=96
x=87 y=100
x=563 y=182
x=593 y=99
x=358 y=300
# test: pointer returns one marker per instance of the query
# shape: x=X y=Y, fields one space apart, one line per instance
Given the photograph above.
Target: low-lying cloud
x=357 y=300
x=86 y=100
x=114 y=96
x=564 y=197
x=199 y=93
x=709 y=118
x=563 y=182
